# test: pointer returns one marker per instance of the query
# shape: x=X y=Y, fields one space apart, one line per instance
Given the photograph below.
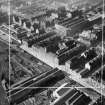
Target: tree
x=62 y=12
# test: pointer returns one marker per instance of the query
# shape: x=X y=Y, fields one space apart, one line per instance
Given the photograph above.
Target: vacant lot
x=3 y=71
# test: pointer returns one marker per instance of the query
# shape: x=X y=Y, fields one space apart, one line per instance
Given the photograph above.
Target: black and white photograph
x=52 y=52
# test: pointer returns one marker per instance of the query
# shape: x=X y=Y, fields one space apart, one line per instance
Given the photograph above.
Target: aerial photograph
x=52 y=52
